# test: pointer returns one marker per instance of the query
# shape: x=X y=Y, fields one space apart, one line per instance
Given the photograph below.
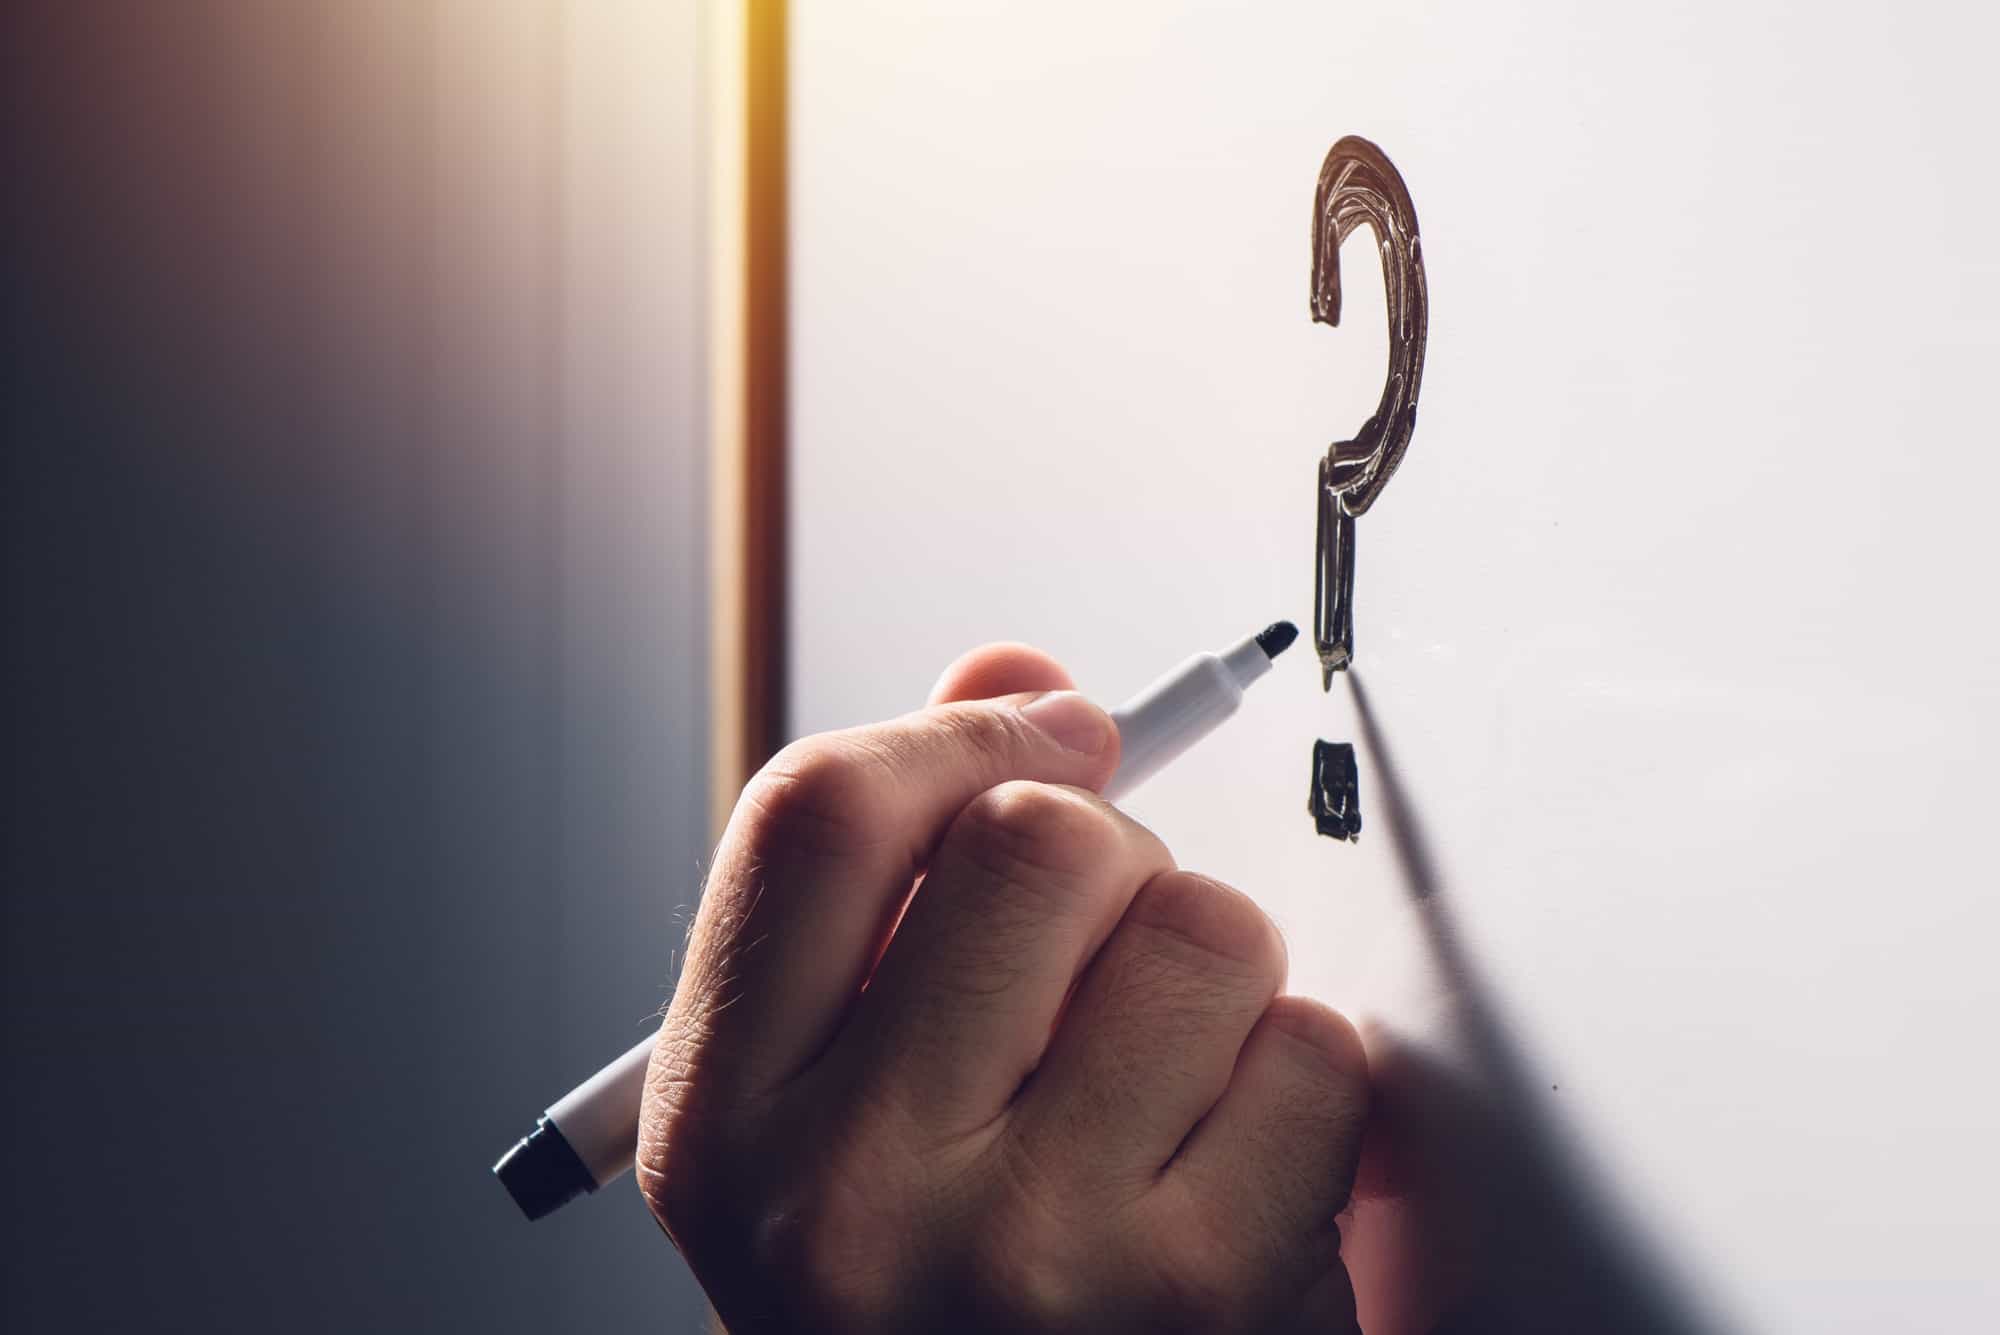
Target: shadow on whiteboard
x=1473 y=1211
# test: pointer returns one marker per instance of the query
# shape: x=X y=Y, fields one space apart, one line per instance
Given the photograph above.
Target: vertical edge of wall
x=748 y=339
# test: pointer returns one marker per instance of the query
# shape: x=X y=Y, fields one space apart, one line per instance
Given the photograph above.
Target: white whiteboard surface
x=1675 y=624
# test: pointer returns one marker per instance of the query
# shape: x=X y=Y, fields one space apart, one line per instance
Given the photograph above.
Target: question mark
x=1359 y=186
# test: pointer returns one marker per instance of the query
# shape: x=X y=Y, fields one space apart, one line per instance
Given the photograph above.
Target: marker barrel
x=1178 y=710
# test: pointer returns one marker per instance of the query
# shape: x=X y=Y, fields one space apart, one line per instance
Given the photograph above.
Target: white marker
x=589 y=1136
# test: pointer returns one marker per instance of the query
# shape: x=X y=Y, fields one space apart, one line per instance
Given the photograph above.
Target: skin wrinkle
x=854 y=1083
x=1159 y=980
x=985 y=970
x=1195 y=909
x=1193 y=957
x=1152 y=991
x=1156 y=994
x=722 y=915
x=990 y=965
x=1008 y=831
x=1014 y=910
x=1012 y=874
x=972 y=725
x=718 y=974
x=672 y=1081
x=1039 y=1188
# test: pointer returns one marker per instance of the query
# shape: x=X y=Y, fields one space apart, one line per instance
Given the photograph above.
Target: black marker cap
x=543 y=1173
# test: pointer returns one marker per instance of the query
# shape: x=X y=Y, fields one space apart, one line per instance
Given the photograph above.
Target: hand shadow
x=1473 y=1212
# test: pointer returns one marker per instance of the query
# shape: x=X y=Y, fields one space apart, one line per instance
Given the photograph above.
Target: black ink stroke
x=1359 y=186
x=1335 y=797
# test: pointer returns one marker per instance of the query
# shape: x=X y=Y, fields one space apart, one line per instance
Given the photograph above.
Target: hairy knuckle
x=819 y=794
x=1221 y=924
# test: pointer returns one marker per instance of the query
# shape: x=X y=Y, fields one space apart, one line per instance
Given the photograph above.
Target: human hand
x=1060 y=1092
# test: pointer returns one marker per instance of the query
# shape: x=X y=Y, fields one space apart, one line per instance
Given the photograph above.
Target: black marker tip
x=1277 y=637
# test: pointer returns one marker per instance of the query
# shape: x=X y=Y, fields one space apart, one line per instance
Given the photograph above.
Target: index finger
x=820 y=856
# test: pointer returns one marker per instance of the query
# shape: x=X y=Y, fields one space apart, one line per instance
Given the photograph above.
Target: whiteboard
x=1673 y=628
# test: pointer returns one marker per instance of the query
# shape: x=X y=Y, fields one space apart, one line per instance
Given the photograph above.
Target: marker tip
x=1277 y=637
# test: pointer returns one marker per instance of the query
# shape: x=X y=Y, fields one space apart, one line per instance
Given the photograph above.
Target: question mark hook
x=1358 y=186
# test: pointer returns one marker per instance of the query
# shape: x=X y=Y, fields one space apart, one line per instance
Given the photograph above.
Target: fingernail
x=1072 y=721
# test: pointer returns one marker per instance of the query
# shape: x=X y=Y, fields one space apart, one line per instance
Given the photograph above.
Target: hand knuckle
x=819 y=794
x=1037 y=830
x=1331 y=1049
x=1213 y=919
x=1016 y=1272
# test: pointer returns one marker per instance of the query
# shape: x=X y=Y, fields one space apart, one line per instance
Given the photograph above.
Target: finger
x=1148 y=1044
x=1276 y=1155
x=999 y=669
x=820 y=855
x=1026 y=886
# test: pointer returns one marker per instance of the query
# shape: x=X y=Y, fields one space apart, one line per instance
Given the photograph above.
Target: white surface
x=1675 y=619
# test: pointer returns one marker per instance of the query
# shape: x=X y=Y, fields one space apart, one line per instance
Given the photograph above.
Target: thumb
x=999 y=669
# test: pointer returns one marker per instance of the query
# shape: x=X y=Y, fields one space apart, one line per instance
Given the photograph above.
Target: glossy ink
x=1359 y=186
x=1335 y=797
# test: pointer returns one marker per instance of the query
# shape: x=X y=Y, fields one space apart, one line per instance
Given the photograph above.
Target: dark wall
x=353 y=733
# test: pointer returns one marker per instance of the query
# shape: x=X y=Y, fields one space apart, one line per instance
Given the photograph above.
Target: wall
x=354 y=623
x=1675 y=683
